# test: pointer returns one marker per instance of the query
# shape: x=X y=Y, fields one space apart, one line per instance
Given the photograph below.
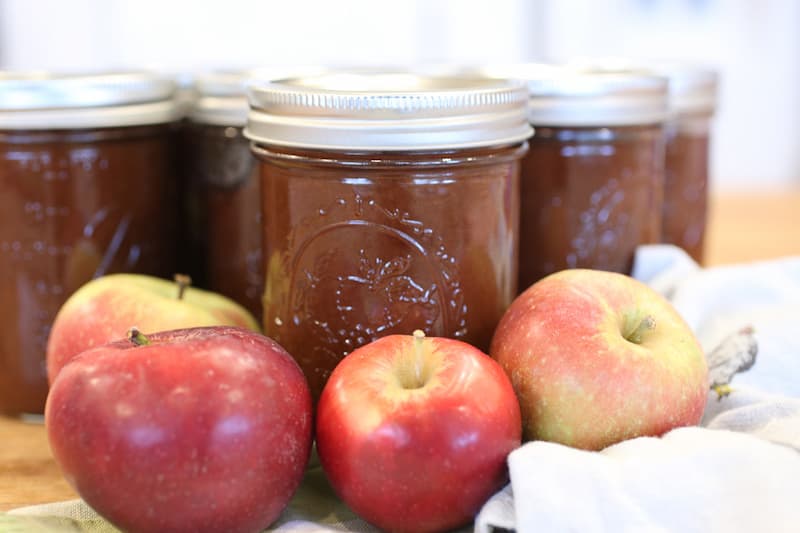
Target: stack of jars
x=339 y=206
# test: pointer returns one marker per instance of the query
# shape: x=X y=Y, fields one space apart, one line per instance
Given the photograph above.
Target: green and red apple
x=105 y=308
x=598 y=357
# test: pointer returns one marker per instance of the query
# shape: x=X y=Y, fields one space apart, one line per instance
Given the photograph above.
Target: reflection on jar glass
x=416 y=232
x=86 y=191
x=592 y=182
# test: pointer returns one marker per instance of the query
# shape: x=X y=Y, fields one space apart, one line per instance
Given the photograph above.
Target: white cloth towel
x=718 y=301
x=739 y=471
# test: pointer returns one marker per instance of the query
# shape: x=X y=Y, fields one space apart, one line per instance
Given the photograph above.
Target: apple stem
x=419 y=356
x=137 y=337
x=183 y=281
x=648 y=323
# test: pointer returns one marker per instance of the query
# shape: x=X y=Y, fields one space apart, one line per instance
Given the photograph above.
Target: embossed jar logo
x=359 y=271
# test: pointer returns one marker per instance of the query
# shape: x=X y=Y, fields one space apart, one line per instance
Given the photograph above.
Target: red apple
x=597 y=357
x=103 y=309
x=203 y=429
x=413 y=432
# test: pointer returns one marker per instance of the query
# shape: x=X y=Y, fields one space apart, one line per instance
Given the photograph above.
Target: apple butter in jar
x=393 y=206
x=88 y=186
x=692 y=95
x=223 y=206
x=592 y=181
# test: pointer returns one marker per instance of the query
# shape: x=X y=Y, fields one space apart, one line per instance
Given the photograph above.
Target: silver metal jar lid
x=222 y=94
x=185 y=92
x=692 y=88
x=387 y=111
x=39 y=100
x=221 y=99
x=575 y=96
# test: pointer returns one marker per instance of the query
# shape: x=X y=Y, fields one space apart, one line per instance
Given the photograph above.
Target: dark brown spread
x=359 y=246
x=686 y=191
x=224 y=213
x=692 y=96
x=76 y=204
x=589 y=197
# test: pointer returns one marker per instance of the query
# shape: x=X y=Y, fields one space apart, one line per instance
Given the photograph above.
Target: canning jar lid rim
x=57 y=100
x=360 y=92
x=40 y=90
x=573 y=95
x=692 y=86
x=220 y=111
x=396 y=110
x=554 y=79
x=221 y=98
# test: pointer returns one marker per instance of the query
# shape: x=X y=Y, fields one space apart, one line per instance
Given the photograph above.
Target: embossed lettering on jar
x=88 y=187
x=383 y=219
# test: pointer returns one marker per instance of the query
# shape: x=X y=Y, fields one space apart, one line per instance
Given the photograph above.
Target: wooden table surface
x=742 y=227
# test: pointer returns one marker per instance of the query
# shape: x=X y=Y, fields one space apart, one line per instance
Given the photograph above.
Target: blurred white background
x=755 y=45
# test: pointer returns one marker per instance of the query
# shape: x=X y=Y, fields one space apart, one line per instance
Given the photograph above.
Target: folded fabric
x=692 y=479
x=742 y=475
x=737 y=472
x=717 y=301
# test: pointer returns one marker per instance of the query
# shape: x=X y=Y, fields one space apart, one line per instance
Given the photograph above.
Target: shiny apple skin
x=205 y=429
x=417 y=460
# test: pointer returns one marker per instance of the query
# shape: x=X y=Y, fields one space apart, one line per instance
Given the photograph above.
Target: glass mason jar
x=692 y=93
x=222 y=201
x=592 y=181
x=393 y=206
x=87 y=187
